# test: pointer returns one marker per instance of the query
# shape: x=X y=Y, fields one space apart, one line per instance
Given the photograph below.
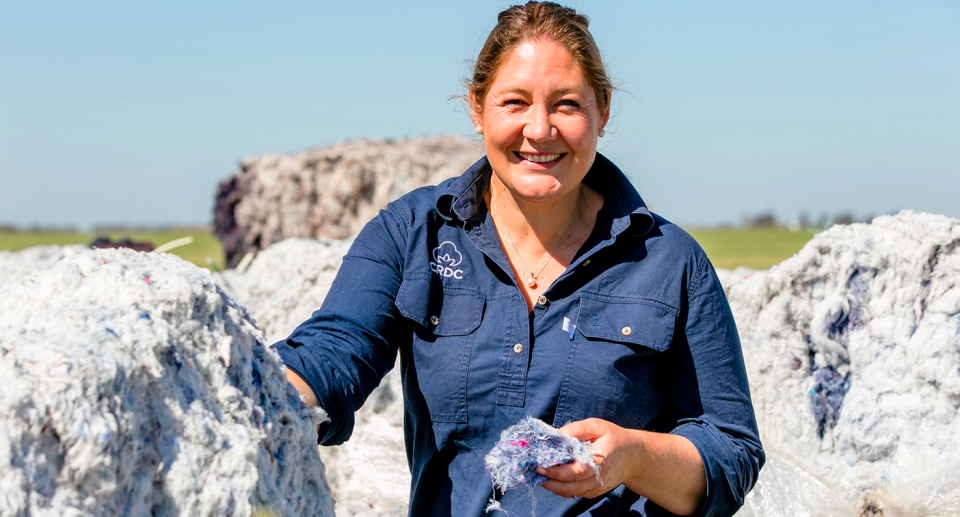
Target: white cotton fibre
x=133 y=385
x=36 y=258
x=286 y=282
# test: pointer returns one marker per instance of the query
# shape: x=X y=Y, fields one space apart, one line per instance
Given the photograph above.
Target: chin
x=540 y=193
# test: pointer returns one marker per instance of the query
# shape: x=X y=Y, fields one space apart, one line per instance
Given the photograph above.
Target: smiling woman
x=618 y=334
x=540 y=122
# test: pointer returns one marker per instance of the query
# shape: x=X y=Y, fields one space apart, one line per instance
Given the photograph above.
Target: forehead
x=536 y=64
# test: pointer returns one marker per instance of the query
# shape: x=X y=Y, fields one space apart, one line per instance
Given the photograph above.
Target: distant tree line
x=803 y=221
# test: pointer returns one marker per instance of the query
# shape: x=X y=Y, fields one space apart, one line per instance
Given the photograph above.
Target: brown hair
x=535 y=20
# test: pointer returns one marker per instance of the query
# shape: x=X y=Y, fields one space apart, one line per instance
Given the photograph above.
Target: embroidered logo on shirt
x=596 y=319
x=446 y=257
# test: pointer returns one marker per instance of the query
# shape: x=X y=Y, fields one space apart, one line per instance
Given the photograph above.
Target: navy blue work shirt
x=637 y=331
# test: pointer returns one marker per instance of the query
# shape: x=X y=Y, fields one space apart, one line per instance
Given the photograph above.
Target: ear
x=474 y=112
x=606 y=112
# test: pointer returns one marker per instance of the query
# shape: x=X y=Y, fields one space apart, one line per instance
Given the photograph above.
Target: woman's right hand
x=306 y=394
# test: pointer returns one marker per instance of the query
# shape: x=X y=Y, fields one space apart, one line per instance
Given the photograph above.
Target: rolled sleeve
x=349 y=344
x=710 y=397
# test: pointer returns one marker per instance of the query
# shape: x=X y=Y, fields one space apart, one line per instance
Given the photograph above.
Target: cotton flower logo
x=445 y=258
x=447 y=254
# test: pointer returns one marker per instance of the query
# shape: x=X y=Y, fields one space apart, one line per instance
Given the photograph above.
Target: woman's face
x=540 y=121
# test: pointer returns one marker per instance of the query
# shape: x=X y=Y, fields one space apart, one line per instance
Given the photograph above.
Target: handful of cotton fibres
x=529 y=444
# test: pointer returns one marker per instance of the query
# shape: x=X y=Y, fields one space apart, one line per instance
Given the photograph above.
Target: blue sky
x=127 y=112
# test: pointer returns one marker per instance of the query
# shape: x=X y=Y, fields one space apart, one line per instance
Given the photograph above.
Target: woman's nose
x=538 y=125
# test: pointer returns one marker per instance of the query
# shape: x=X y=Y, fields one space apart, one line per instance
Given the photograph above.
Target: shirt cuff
x=727 y=466
x=291 y=358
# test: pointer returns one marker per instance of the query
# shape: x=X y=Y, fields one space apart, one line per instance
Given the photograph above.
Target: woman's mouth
x=540 y=158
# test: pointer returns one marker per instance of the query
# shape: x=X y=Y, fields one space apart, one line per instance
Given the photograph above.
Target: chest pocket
x=610 y=370
x=445 y=321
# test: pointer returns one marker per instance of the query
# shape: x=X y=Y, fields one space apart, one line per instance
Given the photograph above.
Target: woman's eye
x=570 y=102
x=513 y=102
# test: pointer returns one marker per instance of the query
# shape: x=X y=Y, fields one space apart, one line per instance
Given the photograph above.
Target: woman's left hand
x=664 y=468
x=616 y=450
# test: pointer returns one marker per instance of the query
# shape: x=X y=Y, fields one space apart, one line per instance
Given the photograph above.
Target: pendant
x=532 y=282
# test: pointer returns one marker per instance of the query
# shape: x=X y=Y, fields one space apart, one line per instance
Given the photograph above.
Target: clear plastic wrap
x=784 y=489
x=936 y=494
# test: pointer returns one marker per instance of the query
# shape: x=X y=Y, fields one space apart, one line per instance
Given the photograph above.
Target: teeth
x=539 y=158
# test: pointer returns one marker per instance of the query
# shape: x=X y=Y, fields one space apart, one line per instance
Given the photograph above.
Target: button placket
x=512 y=377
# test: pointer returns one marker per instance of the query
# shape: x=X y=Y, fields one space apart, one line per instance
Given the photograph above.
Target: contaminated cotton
x=527 y=445
x=134 y=385
x=368 y=475
x=329 y=191
x=852 y=350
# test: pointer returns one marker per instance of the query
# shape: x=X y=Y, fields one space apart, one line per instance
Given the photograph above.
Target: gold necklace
x=532 y=281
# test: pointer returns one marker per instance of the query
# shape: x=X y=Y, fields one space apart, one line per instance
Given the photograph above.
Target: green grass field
x=204 y=243
x=756 y=248
x=727 y=249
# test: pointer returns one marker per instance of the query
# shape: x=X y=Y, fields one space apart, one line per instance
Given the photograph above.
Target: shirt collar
x=463 y=197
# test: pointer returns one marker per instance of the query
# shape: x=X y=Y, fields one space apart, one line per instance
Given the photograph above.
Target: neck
x=533 y=224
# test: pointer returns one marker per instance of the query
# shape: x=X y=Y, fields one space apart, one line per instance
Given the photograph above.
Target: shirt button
x=542 y=300
x=626 y=331
x=518 y=348
x=434 y=320
x=586 y=262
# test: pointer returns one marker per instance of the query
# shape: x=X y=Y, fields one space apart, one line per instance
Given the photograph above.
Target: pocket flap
x=444 y=312
x=638 y=321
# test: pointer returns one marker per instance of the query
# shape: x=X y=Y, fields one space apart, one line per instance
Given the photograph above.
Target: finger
x=584 y=430
x=575 y=471
x=571 y=489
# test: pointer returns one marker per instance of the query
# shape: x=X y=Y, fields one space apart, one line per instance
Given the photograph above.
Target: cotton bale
x=330 y=191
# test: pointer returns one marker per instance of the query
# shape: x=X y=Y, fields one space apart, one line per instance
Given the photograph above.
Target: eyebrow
x=561 y=91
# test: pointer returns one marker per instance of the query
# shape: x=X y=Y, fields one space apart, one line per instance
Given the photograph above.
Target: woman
x=538 y=283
